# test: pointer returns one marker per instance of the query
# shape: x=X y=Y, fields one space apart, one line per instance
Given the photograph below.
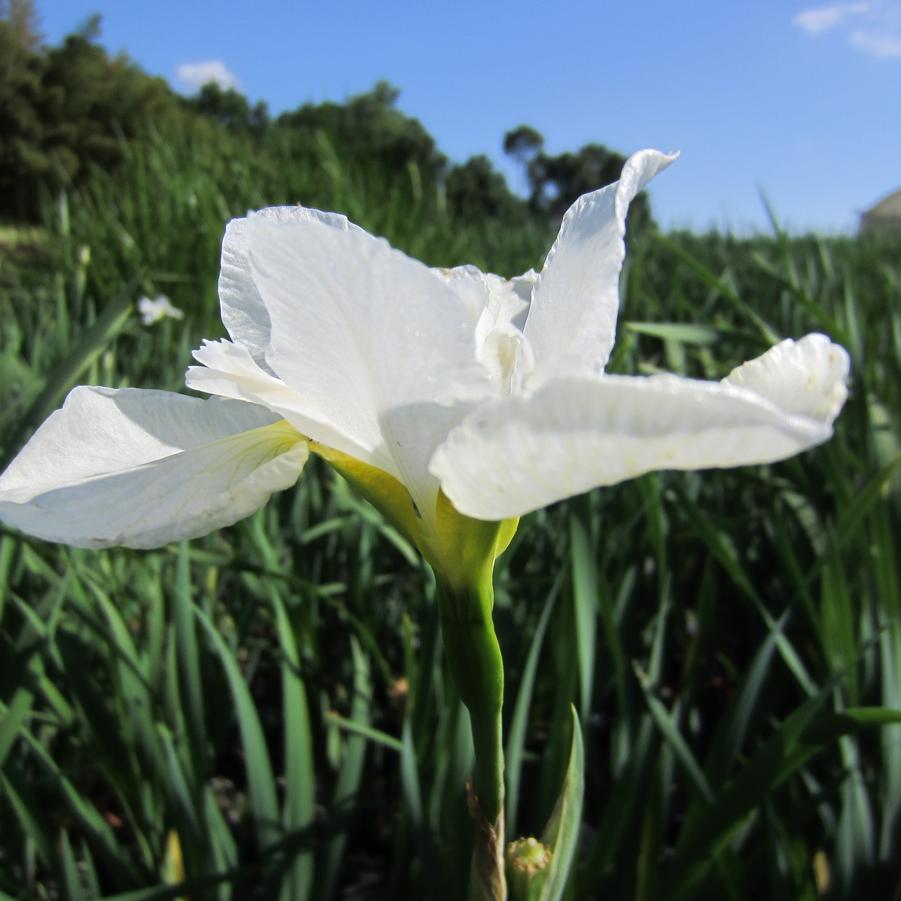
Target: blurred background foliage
x=265 y=713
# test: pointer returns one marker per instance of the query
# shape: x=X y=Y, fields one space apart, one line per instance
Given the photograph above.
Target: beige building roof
x=886 y=214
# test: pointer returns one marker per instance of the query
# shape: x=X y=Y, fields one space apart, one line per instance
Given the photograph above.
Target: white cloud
x=872 y=27
x=821 y=18
x=196 y=75
x=877 y=44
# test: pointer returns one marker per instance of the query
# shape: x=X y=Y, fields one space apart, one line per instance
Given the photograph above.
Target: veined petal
x=243 y=312
x=143 y=468
x=575 y=433
x=572 y=318
x=359 y=330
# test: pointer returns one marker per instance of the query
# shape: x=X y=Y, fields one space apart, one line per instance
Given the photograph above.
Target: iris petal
x=575 y=433
x=143 y=468
x=572 y=317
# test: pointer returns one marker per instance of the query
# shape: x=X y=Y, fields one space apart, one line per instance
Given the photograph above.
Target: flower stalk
x=476 y=665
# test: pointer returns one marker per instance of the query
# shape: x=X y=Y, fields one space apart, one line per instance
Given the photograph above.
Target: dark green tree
x=556 y=181
x=369 y=128
x=68 y=109
x=523 y=143
x=476 y=191
x=93 y=103
x=22 y=160
x=230 y=109
x=22 y=20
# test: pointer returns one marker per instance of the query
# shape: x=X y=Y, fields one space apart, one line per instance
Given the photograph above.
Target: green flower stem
x=477 y=667
x=475 y=662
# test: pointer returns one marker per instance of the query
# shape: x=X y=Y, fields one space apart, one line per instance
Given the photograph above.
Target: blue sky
x=800 y=100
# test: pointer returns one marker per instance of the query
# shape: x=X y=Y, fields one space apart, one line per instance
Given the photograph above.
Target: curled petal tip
x=806 y=378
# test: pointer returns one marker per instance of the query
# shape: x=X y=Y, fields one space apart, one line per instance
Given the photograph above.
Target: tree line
x=67 y=110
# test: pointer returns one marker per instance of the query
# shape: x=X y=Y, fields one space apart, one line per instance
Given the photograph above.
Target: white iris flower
x=153 y=311
x=436 y=392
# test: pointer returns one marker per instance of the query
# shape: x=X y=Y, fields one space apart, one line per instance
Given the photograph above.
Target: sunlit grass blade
x=188 y=659
x=668 y=725
x=71 y=878
x=374 y=735
x=583 y=561
x=297 y=813
x=260 y=779
x=350 y=772
x=516 y=734
x=561 y=833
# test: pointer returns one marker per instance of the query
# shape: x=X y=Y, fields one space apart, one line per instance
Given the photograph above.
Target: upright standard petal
x=243 y=312
x=143 y=468
x=358 y=331
x=497 y=308
x=572 y=318
x=522 y=453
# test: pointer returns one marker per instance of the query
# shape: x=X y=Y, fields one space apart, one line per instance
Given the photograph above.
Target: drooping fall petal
x=143 y=468
x=521 y=453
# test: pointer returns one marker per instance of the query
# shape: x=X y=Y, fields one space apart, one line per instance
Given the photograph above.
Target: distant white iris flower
x=152 y=311
x=439 y=392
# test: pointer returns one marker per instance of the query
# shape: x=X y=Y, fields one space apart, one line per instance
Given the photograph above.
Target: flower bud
x=528 y=862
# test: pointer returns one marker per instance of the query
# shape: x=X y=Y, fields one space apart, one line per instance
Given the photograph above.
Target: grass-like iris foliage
x=267 y=712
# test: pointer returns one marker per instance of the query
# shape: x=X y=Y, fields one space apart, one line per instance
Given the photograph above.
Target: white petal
x=229 y=370
x=522 y=453
x=470 y=285
x=508 y=301
x=497 y=308
x=142 y=468
x=491 y=297
x=572 y=319
x=358 y=331
x=420 y=428
x=243 y=311
x=805 y=377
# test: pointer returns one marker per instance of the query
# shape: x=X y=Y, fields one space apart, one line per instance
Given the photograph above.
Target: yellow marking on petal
x=262 y=444
x=380 y=488
x=462 y=550
x=285 y=436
